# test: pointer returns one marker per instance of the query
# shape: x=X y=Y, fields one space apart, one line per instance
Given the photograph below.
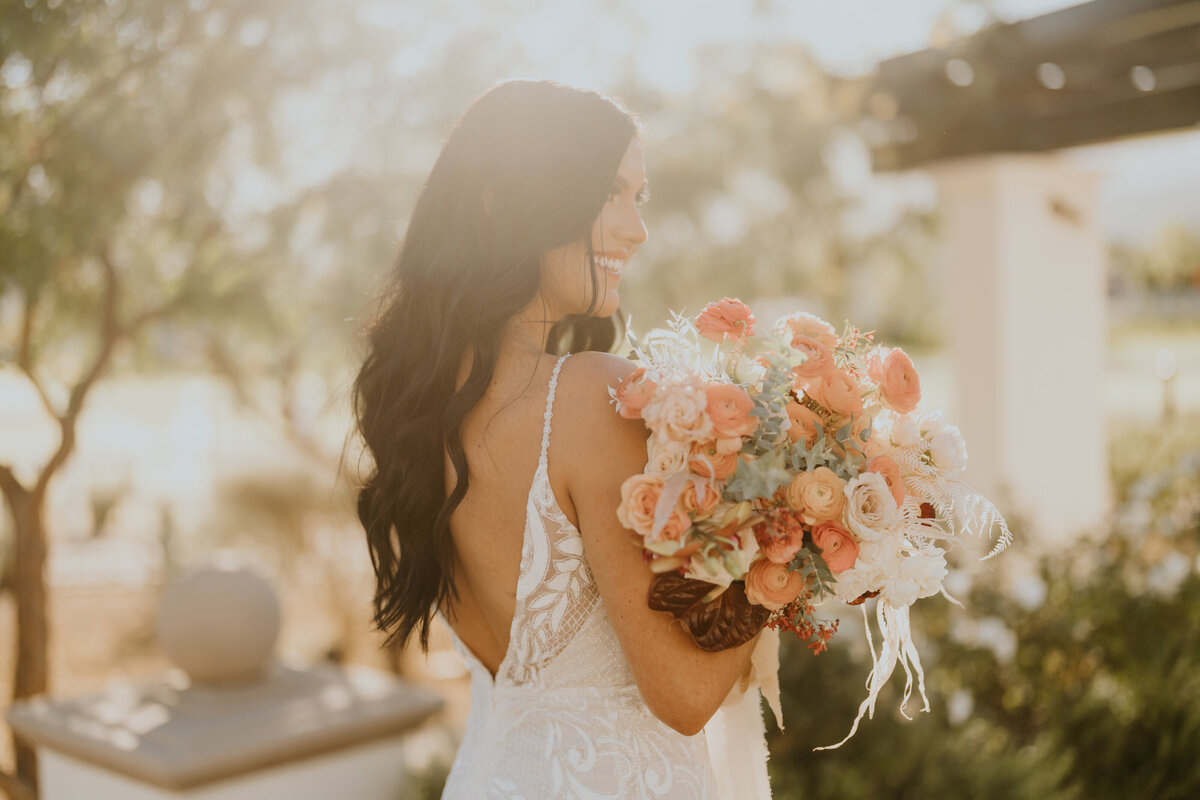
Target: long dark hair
x=526 y=169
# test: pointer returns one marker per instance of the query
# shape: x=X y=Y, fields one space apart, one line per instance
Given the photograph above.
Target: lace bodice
x=563 y=717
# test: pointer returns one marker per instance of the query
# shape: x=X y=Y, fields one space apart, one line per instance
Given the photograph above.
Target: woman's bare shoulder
x=585 y=397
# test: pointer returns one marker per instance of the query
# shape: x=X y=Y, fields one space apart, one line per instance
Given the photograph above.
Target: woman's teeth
x=613 y=265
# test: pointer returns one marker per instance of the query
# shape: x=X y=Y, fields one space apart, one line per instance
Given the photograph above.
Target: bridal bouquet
x=788 y=472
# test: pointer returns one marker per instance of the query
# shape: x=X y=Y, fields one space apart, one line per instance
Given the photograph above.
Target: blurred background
x=198 y=199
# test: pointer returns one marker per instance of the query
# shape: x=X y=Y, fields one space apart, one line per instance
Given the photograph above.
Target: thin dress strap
x=542 y=462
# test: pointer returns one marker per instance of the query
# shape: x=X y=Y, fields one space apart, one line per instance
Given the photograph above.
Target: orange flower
x=899 y=383
x=701 y=501
x=780 y=536
x=729 y=408
x=819 y=358
x=728 y=318
x=633 y=393
x=805 y=324
x=836 y=391
x=771 y=585
x=639 y=498
x=838 y=547
x=818 y=495
x=891 y=473
x=708 y=462
x=804 y=423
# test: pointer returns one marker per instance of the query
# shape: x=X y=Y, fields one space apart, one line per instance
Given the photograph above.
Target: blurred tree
x=1085 y=684
x=1170 y=262
x=755 y=179
x=214 y=171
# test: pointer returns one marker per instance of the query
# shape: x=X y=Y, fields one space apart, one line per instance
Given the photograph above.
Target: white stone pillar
x=1023 y=260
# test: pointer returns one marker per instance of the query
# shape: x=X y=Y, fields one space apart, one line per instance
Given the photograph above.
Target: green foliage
x=1099 y=699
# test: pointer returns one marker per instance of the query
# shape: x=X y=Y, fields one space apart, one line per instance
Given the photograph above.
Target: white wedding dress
x=563 y=717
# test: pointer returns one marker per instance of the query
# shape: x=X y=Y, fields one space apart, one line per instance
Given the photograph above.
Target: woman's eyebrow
x=623 y=184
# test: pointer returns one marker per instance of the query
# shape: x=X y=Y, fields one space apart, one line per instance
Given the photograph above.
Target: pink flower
x=899 y=383
x=891 y=473
x=729 y=408
x=639 y=498
x=804 y=424
x=836 y=391
x=700 y=500
x=771 y=585
x=838 y=547
x=804 y=324
x=780 y=536
x=708 y=462
x=820 y=358
x=633 y=393
x=728 y=318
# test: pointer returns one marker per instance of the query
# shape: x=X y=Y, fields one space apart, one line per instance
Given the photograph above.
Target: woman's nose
x=634 y=228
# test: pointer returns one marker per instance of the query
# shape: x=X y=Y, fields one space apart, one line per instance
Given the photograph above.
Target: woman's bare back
x=501 y=438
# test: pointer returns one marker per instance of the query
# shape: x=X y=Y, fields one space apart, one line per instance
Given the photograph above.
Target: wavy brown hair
x=526 y=169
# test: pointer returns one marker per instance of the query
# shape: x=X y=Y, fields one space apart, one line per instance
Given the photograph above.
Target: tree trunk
x=29 y=591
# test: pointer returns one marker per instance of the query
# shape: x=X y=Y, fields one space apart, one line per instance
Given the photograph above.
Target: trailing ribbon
x=896 y=646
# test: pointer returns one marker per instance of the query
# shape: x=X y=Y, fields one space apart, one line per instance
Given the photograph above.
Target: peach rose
x=728 y=318
x=673 y=529
x=891 y=473
x=899 y=384
x=804 y=423
x=771 y=585
x=838 y=547
x=818 y=358
x=679 y=415
x=729 y=409
x=707 y=462
x=818 y=495
x=804 y=324
x=639 y=498
x=665 y=459
x=633 y=393
x=836 y=391
x=699 y=498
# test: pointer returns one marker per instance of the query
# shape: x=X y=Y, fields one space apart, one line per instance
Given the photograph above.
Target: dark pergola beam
x=1005 y=108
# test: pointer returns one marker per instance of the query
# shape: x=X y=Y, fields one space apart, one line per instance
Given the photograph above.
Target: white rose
x=678 y=414
x=948 y=449
x=931 y=423
x=749 y=373
x=850 y=585
x=665 y=459
x=918 y=575
x=904 y=432
x=870 y=507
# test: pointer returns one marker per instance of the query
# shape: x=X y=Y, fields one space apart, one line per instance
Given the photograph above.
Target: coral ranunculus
x=708 y=462
x=729 y=409
x=899 y=383
x=728 y=318
x=818 y=495
x=804 y=424
x=819 y=358
x=838 y=547
x=836 y=391
x=633 y=393
x=771 y=585
x=804 y=324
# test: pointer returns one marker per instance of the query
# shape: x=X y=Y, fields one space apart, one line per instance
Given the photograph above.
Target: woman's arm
x=682 y=684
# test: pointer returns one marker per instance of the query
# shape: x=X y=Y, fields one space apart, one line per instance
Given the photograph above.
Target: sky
x=1144 y=181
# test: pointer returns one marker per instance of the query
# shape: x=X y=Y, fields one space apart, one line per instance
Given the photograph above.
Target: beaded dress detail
x=563 y=717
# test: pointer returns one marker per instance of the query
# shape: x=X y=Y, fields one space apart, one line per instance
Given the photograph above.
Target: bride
x=499 y=463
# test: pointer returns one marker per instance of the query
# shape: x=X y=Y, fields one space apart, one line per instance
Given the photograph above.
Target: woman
x=514 y=254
